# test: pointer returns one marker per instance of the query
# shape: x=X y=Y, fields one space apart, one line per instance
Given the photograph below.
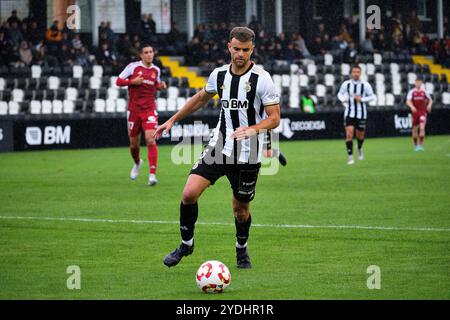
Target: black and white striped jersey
x=243 y=98
x=349 y=89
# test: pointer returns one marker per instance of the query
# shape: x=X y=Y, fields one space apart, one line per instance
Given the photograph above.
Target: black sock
x=242 y=230
x=349 y=147
x=188 y=217
x=360 y=144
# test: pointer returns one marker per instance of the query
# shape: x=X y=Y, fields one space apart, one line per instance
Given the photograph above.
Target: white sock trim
x=240 y=246
x=189 y=242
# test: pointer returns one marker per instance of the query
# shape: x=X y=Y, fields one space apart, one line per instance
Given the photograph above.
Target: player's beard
x=240 y=63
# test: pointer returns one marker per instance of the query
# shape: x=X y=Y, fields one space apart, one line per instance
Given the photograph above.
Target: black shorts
x=242 y=176
x=359 y=124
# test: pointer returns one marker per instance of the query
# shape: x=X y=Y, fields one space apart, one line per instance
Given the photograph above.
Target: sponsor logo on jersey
x=235 y=104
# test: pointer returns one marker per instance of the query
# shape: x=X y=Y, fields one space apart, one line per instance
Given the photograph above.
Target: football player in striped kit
x=354 y=95
x=250 y=107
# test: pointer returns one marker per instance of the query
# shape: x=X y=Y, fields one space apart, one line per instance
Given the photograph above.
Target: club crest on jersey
x=235 y=104
x=140 y=73
x=248 y=86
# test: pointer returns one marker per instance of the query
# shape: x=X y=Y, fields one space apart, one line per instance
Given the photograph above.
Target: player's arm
x=368 y=93
x=430 y=103
x=160 y=85
x=199 y=100
x=272 y=121
x=123 y=80
x=342 y=94
x=409 y=102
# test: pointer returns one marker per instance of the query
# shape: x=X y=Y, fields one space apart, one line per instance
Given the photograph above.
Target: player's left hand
x=429 y=109
x=242 y=133
x=162 y=85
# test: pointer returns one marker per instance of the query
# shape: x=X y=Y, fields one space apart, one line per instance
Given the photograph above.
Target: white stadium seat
x=295 y=80
x=329 y=80
x=17 y=95
x=161 y=104
x=112 y=82
x=370 y=69
x=321 y=90
x=77 y=72
x=381 y=100
x=68 y=106
x=345 y=69
x=13 y=107
x=110 y=105
x=374 y=102
x=171 y=104
x=446 y=98
x=53 y=83
x=294 y=68
x=390 y=100
x=71 y=94
x=180 y=102
x=294 y=101
x=46 y=107
x=97 y=71
x=57 y=106
x=2 y=84
x=36 y=71
x=276 y=79
x=99 y=105
x=121 y=105
x=394 y=67
x=35 y=107
x=311 y=69
x=95 y=83
x=429 y=87
x=412 y=78
x=113 y=93
x=172 y=92
x=377 y=59
x=304 y=80
x=285 y=80
x=328 y=59
x=3 y=108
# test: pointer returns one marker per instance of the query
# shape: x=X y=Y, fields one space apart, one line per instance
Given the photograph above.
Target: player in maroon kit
x=419 y=101
x=143 y=80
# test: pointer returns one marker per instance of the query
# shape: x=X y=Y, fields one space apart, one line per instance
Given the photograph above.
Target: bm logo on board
x=235 y=104
x=35 y=136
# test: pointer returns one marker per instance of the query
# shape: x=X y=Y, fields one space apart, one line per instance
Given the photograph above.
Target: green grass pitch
x=405 y=192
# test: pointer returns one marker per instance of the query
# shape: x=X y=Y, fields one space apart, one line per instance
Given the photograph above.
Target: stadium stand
x=83 y=80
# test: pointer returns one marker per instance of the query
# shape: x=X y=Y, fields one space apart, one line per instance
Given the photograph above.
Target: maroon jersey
x=142 y=97
x=419 y=99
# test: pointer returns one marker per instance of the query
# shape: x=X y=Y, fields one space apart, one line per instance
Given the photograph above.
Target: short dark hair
x=144 y=45
x=355 y=66
x=243 y=34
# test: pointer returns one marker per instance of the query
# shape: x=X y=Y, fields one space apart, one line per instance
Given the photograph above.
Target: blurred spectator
x=308 y=102
x=5 y=48
x=367 y=45
x=34 y=35
x=76 y=42
x=124 y=45
x=350 y=54
x=82 y=57
x=13 y=18
x=25 y=54
x=14 y=34
x=66 y=55
x=53 y=38
x=301 y=45
x=106 y=56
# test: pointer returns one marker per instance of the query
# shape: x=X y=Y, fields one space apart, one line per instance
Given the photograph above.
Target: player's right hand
x=165 y=127
x=137 y=81
x=413 y=110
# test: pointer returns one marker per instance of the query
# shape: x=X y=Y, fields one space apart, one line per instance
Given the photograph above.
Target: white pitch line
x=294 y=226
